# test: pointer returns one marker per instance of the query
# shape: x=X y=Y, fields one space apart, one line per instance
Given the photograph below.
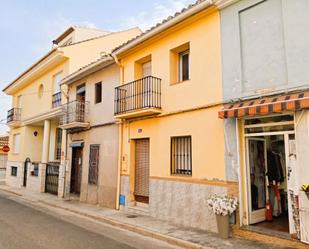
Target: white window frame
x=16 y=143
x=180 y=65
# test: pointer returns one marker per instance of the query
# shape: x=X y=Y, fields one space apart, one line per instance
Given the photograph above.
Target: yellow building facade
x=171 y=140
x=37 y=98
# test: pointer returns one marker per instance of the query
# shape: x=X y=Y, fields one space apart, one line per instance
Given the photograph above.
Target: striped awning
x=266 y=105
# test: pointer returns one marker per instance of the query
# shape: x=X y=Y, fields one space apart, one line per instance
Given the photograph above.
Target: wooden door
x=141 y=189
x=76 y=173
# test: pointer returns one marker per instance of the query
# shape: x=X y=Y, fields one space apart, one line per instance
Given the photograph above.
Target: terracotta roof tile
x=160 y=23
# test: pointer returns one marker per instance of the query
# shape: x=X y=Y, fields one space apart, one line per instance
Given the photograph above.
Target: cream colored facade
x=36 y=103
x=188 y=108
x=102 y=131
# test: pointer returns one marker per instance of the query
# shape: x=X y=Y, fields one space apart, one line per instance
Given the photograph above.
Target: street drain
x=131 y=216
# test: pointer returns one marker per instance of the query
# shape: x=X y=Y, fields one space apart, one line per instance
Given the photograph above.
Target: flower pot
x=223 y=226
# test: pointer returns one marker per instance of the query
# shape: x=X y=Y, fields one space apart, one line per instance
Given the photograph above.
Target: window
x=13 y=171
x=93 y=164
x=19 y=101
x=184 y=65
x=98 y=93
x=16 y=140
x=35 y=169
x=41 y=91
x=57 y=80
x=180 y=63
x=58 y=143
x=181 y=155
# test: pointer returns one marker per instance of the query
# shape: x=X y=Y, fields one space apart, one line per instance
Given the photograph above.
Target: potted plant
x=223 y=207
x=305 y=188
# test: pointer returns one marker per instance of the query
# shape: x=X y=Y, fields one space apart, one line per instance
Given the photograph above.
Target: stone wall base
x=180 y=203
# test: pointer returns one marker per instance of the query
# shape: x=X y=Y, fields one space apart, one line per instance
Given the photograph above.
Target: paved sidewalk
x=145 y=225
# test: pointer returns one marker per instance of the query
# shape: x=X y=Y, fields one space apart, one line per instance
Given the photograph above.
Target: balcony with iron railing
x=14 y=117
x=56 y=100
x=74 y=115
x=141 y=97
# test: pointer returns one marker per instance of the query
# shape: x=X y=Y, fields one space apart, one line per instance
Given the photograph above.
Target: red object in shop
x=268 y=211
x=5 y=148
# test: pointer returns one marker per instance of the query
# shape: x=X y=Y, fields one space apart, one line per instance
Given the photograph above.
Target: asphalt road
x=25 y=226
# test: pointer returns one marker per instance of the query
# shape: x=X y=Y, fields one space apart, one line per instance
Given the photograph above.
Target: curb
x=135 y=229
x=125 y=226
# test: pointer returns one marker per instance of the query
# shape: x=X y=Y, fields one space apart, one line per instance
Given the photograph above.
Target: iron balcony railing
x=139 y=94
x=14 y=115
x=56 y=100
x=74 y=111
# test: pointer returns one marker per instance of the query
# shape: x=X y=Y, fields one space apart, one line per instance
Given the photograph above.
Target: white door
x=292 y=177
x=256 y=175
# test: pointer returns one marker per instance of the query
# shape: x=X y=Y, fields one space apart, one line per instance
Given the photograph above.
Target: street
x=23 y=226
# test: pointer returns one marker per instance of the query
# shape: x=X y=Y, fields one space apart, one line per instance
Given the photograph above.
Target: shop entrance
x=270 y=157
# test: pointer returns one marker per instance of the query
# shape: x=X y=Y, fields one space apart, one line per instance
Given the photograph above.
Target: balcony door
x=146 y=69
x=19 y=102
x=80 y=103
x=146 y=84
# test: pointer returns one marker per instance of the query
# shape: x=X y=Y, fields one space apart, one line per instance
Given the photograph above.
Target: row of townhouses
x=212 y=100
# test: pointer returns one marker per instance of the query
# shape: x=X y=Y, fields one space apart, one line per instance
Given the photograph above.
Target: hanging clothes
x=275 y=172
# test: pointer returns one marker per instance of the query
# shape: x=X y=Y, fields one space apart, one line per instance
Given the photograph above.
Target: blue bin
x=122 y=200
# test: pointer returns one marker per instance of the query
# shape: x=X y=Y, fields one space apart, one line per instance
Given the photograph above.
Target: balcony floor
x=139 y=113
x=75 y=125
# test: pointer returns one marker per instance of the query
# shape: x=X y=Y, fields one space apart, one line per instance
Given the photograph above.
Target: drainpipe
x=66 y=146
x=120 y=148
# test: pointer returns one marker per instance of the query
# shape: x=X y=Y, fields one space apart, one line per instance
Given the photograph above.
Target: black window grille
x=181 y=155
x=56 y=100
x=93 y=164
x=13 y=171
x=58 y=143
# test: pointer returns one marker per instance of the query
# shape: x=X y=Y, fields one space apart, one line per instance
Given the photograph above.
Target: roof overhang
x=170 y=22
x=88 y=69
x=163 y=26
x=47 y=62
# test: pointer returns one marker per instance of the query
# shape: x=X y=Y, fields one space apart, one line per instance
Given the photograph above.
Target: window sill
x=180 y=175
x=180 y=82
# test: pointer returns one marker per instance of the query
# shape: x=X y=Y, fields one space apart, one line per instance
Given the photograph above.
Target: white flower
x=222 y=205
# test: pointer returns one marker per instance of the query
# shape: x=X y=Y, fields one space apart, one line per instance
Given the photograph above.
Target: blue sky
x=28 y=27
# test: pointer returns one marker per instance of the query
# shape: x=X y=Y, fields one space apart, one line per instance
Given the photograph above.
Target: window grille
x=58 y=143
x=13 y=171
x=93 y=164
x=181 y=155
x=35 y=171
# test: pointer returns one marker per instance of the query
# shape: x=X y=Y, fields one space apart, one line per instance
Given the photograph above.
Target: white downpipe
x=239 y=174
